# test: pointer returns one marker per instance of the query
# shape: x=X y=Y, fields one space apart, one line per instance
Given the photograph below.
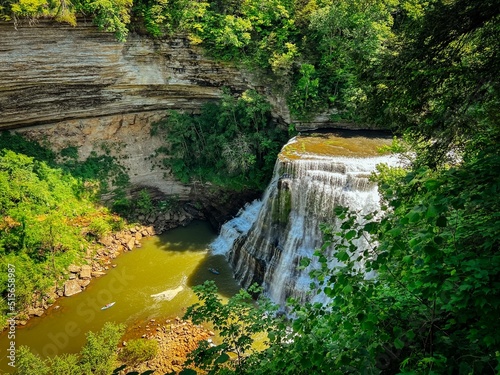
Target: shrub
x=138 y=351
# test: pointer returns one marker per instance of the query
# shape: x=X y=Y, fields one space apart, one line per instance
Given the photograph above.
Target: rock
x=125 y=238
x=51 y=296
x=131 y=244
x=36 y=312
x=85 y=273
x=74 y=268
x=71 y=287
x=98 y=273
x=138 y=236
x=84 y=283
x=106 y=241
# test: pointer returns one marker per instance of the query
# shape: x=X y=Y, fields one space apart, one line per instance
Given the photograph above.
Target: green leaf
x=222 y=358
x=398 y=343
x=347 y=289
x=304 y=262
x=431 y=184
x=350 y=235
x=431 y=211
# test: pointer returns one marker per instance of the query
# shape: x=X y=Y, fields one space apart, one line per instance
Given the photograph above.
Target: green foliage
x=65 y=364
x=138 y=351
x=29 y=363
x=441 y=85
x=97 y=357
x=305 y=95
x=144 y=203
x=110 y=15
x=232 y=143
x=102 y=168
x=43 y=213
x=101 y=226
x=21 y=145
x=237 y=322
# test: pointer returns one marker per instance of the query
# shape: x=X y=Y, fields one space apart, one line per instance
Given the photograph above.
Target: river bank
x=97 y=261
x=176 y=339
x=153 y=282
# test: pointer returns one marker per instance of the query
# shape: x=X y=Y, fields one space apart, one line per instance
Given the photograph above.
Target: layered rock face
x=77 y=86
x=52 y=73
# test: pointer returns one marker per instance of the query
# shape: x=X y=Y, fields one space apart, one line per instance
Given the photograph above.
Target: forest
x=427 y=70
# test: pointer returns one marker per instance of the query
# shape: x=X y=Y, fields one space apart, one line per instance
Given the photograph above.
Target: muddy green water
x=150 y=282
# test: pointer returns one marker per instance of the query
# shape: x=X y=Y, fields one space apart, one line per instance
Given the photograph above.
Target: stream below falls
x=153 y=281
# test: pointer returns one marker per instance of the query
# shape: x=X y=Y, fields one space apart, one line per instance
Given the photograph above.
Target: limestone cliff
x=77 y=86
x=52 y=73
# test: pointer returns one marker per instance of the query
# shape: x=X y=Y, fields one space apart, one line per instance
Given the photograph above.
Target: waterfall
x=235 y=228
x=305 y=189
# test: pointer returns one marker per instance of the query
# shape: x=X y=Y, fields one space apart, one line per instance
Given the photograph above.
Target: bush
x=138 y=351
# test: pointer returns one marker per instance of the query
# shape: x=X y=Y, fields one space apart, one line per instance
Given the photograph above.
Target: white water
x=301 y=196
x=235 y=228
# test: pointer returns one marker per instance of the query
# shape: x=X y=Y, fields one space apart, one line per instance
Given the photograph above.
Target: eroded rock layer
x=54 y=73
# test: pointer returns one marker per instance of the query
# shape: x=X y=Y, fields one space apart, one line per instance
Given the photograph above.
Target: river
x=153 y=281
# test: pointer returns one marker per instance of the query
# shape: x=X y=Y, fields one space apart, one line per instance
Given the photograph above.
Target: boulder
x=74 y=268
x=71 y=287
x=85 y=273
x=36 y=311
x=84 y=283
x=131 y=244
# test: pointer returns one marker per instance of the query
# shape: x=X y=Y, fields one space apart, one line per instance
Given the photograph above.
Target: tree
x=441 y=83
x=97 y=357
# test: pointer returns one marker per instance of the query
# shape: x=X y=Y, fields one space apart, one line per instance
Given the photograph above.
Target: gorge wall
x=77 y=86
x=51 y=73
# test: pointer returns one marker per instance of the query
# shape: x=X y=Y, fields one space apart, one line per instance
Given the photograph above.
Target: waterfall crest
x=305 y=189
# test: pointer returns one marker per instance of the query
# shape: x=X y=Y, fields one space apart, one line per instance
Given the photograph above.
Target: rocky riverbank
x=207 y=204
x=95 y=264
x=176 y=339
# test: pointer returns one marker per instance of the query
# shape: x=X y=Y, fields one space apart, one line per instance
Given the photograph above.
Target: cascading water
x=235 y=228
x=312 y=176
